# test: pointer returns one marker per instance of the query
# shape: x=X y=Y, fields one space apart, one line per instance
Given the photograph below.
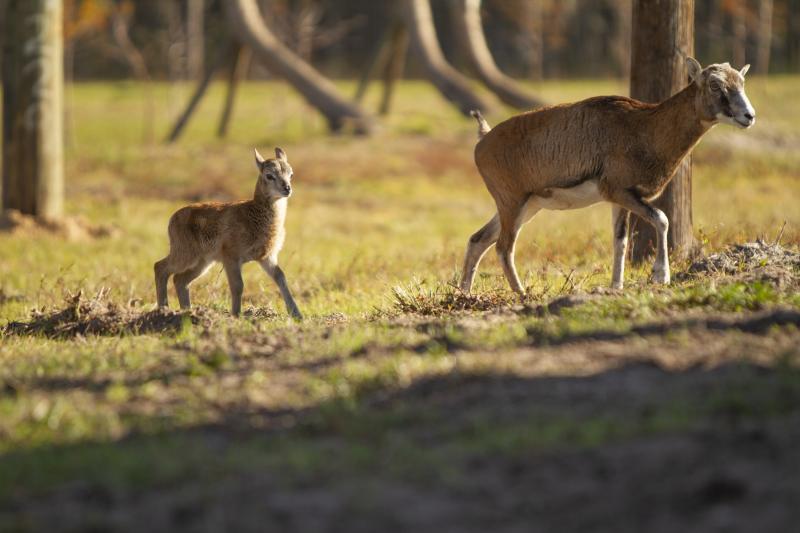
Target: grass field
x=398 y=404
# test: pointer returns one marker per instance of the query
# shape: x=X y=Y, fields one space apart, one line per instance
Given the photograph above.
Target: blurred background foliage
x=530 y=39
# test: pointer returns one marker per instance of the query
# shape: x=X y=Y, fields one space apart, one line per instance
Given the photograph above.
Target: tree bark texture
x=662 y=38
x=33 y=88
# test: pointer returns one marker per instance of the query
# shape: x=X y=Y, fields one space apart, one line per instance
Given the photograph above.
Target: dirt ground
x=669 y=447
x=399 y=404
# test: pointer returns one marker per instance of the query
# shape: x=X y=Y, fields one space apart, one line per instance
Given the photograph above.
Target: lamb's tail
x=483 y=126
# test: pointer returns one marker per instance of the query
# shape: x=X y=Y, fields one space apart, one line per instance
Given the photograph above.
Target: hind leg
x=620 y=222
x=636 y=205
x=481 y=241
x=511 y=220
x=162 y=272
x=233 y=270
x=183 y=279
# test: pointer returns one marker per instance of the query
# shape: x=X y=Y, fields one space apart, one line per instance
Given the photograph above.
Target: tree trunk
x=715 y=29
x=195 y=38
x=176 y=40
x=622 y=36
x=793 y=36
x=450 y=83
x=377 y=63
x=394 y=67
x=224 y=55
x=533 y=14
x=764 y=36
x=739 y=37
x=238 y=70
x=390 y=60
x=468 y=24
x=33 y=85
x=662 y=37
x=247 y=24
x=120 y=31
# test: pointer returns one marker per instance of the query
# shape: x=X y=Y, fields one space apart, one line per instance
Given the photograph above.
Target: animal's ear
x=694 y=69
x=744 y=70
x=259 y=159
x=280 y=154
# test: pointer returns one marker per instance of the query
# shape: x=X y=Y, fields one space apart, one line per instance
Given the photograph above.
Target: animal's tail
x=483 y=126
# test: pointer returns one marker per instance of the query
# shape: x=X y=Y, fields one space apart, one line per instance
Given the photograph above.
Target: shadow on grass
x=634 y=448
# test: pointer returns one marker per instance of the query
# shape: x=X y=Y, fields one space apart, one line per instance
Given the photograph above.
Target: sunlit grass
x=372 y=218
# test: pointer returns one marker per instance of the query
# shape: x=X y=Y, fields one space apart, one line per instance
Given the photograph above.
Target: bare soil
x=688 y=422
x=727 y=467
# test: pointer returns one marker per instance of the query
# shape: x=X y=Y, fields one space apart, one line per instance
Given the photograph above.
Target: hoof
x=660 y=277
x=294 y=313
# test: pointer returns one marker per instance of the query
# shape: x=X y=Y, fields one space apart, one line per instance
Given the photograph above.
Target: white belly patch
x=583 y=195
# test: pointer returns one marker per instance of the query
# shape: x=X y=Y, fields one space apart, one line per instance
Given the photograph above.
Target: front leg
x=271 y=267
x=631 y=201
x=620 y=221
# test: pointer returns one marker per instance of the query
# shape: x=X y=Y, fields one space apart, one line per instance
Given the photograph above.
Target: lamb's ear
x=280 y=154
x=694 y=69
x=744 y=69
x=259 y=159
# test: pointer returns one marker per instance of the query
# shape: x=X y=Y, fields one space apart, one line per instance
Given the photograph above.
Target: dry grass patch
x=100 y=316
x=750 y=261
x=446 y=299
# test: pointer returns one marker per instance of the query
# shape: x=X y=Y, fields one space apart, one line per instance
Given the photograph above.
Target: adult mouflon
x=607 y=148
x=233 y=234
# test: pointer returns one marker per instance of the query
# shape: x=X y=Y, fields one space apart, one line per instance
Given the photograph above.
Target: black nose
x=748 y=116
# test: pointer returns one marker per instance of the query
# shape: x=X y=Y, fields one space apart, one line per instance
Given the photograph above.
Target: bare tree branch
x=450 y=83
x=468 y=23
x=248 y=25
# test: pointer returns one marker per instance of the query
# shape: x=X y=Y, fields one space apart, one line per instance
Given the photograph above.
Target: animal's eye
x=715 y=86
x=270 y=176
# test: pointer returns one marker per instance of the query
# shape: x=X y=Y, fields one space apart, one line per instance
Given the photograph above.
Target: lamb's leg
x=659 y=221
x=620 y=220
x=162 y=273
x=481 y=241
x=183 y=279
x=233 y=270
x=276 y=273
